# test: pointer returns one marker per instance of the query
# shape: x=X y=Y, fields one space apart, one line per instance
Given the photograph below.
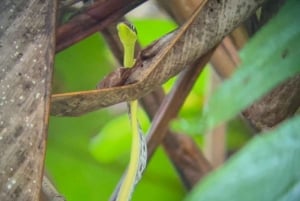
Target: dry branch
x=281 y=103
x=164 y=59
x=180 y=10
x=93 y=19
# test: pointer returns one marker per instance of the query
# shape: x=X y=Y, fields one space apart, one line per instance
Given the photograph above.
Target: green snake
x=138 y=156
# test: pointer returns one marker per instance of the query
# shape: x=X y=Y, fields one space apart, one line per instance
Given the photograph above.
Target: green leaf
x=81 y=66
x=272 y=56
x=150 y=30
x=267 y=169
x=103 y=145
x=69 y=164
x=114 y=139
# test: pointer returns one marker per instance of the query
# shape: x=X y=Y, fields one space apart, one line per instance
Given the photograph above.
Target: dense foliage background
x=87 y=155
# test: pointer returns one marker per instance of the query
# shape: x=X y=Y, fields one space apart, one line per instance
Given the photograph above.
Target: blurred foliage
x=87 y=155
x=115 y=133
x=81 y=66
x=150 y=30
x=238 y=134
x=267 y=168
x=266 y=62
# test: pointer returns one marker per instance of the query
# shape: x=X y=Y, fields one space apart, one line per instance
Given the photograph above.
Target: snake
x=138 y=155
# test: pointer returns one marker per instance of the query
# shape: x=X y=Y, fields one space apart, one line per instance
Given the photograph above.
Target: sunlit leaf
x=150 y=30
x=272 y=56
x=267 y=169
x=114 y=139
x=81 y=66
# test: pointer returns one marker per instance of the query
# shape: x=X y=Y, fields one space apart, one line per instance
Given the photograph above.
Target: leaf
x=267 y=169
x=78 y=176
x=77 y=69
x=145 y=35
x=272 y=56
x=113 y=141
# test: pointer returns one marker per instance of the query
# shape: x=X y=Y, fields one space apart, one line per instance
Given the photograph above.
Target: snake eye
x=131 y=27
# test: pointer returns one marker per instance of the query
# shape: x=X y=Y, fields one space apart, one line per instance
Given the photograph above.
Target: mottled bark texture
x=280 y=103
x=26 y=58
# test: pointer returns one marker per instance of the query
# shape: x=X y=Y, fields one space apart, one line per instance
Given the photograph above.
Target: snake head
x=127 y=33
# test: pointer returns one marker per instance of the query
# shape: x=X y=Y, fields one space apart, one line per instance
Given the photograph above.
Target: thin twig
x=173 y=102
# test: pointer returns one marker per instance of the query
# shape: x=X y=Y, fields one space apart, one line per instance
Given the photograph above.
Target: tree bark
x=27 y=31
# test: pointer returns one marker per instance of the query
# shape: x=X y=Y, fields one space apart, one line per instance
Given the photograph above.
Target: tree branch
x=164 y=59
x=281 y=103
x=49 y=193
x=26 y=58
x=93 y=19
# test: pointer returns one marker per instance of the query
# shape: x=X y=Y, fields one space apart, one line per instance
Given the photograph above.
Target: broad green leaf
x=267 y=169
x=69 y=164
x=115 y=133
x=81 y=66
x=272 y=56
x=150 y=30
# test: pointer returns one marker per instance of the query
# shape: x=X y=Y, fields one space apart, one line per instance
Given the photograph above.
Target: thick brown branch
x=280 y=103
x=27 y=34
x=95 y=18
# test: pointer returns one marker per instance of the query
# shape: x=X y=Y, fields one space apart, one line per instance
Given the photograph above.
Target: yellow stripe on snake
x=138 y=156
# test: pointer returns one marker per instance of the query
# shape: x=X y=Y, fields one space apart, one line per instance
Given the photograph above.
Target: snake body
x=138 y=156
